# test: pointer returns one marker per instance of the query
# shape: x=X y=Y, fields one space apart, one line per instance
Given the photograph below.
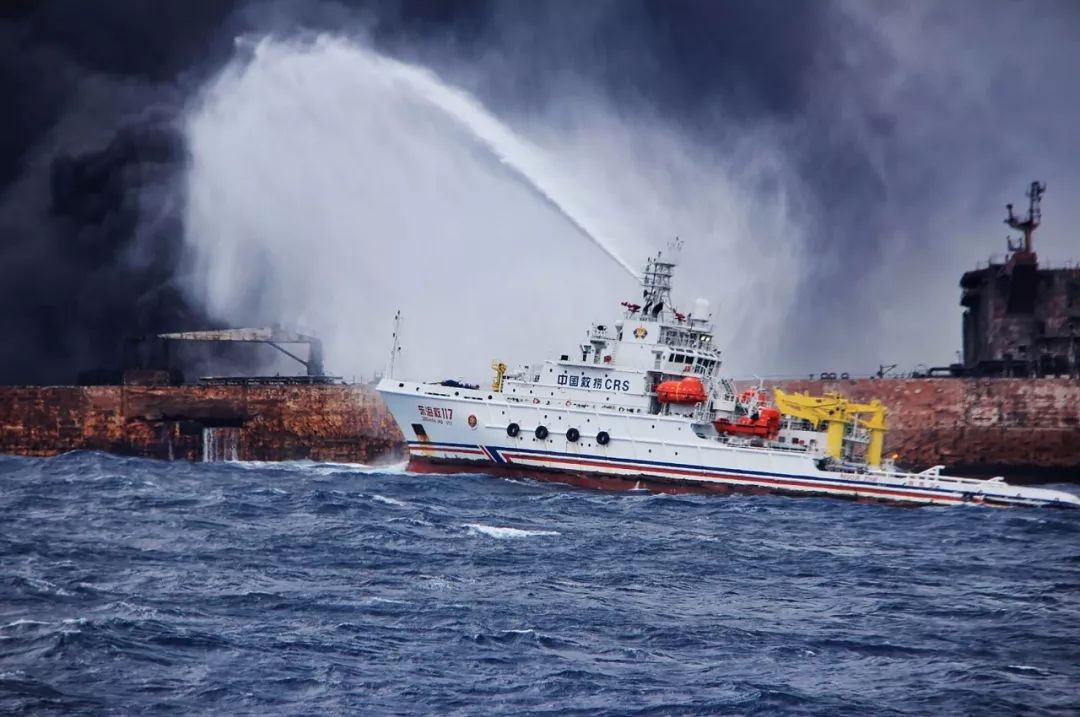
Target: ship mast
x=395 y=349
x=1031 y=222
x=656 y=281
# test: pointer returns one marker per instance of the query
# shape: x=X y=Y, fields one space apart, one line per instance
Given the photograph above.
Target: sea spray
x=330 y=185
x=529 y=162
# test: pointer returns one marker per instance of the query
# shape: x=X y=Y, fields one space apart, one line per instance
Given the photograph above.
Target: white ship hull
x=461 y=430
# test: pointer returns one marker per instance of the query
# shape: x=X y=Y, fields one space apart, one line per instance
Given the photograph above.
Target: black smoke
x=89 y=155
x=881 y=124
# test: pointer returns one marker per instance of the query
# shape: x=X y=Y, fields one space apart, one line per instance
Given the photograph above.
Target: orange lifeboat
x=688 y=390
x=766 y=425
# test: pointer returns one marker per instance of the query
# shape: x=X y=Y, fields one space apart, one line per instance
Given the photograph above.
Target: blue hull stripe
x=633 y=462
x=705 y=471
x=494 y=453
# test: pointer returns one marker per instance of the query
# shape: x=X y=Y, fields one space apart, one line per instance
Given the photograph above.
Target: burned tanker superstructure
x=1021 y=320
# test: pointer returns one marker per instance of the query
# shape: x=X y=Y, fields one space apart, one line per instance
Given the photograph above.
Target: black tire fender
x=573 y=434
x=603 y=438
x=513 y=430
x=541 y=432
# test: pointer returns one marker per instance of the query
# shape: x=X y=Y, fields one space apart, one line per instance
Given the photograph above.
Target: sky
x=832 y=168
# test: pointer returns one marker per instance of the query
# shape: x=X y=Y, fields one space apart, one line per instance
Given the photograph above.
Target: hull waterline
x=576 y=471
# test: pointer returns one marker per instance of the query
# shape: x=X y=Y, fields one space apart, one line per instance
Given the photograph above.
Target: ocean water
x=132 y=586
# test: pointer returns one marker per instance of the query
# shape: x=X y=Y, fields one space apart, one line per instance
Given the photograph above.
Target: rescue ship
x=642 y=404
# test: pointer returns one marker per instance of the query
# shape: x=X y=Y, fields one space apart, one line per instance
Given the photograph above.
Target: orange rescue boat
x=688 y=390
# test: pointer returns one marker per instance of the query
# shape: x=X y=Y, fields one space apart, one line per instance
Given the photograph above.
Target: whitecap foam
x=398 y=467
x=494 y=531
x=46 y=586
x=335 y=469
x=27 y=621
x=389 y=501
x=23 y=621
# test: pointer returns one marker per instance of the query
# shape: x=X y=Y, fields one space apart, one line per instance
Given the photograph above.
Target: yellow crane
x=500 y=370
x=875 y=424
x=837 y=413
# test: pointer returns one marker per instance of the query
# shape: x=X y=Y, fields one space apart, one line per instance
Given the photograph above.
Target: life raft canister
x=688 y=390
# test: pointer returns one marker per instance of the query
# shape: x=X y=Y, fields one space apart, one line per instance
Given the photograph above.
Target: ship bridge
x=658 y=338
x=621 y=365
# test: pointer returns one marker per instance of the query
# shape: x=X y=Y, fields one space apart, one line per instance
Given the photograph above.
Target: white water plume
x=536 y=169
x=330 y=185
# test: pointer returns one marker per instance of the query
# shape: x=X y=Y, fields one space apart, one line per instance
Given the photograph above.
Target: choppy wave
x=494 y=531
x=131 y=586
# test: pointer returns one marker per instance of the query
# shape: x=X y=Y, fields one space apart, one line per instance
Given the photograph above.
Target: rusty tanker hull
x=333 y=423
x=1026 y=429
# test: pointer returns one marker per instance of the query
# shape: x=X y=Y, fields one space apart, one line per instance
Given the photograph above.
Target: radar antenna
x=656 y=282
x=1028 y=225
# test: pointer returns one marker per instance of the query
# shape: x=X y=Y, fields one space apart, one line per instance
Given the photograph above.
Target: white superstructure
x=641 y=403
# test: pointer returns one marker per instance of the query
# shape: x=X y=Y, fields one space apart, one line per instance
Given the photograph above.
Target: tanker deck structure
x=1021 y=320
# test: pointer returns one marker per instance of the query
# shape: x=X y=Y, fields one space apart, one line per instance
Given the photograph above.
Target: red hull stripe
x=523 y=459
x=426 y=447
x=787 y=483
x=623 y=482
x=691 y=470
